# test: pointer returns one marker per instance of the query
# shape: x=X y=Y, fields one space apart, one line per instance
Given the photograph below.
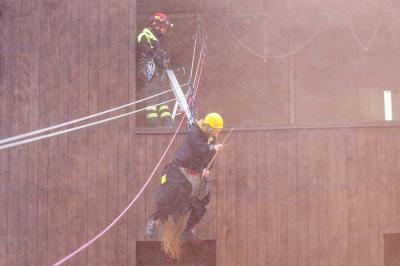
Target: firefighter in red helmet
x=152 y=60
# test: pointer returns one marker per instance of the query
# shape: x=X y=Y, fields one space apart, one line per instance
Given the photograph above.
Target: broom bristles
x=171 y=241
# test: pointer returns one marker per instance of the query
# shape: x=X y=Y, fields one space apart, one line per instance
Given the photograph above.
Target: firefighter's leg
x=198 y=209
x=165 y=116
x=151 y=88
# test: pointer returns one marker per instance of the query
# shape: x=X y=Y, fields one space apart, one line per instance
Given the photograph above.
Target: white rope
x=357 y=39
x=13 y=144
x=36 y=132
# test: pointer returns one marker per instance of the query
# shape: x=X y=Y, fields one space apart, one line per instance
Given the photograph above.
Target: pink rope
x=125 y=210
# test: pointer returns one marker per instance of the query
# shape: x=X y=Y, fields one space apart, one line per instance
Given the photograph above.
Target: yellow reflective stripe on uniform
x=152 y=115
x=149 y=36
x=163 y=179
x=163 y=107
x=165 y=114
x=151 y=108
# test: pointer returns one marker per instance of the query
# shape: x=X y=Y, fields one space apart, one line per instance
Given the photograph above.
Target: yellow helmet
x=214 y=120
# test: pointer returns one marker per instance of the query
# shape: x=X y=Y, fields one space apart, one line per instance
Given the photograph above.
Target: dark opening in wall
x=149 y=253
x=391 y=249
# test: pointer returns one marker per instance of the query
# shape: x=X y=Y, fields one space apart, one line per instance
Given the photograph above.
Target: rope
x=91 y=241
x=79 y=119
x=13 y=144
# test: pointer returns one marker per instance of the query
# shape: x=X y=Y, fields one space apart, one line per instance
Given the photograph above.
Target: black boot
x=168 y=122
x=151 y=228
x=188 y=234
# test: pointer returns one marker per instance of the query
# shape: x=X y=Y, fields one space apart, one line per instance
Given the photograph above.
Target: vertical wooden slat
x=310 y=168
x=103 y=129
x=262 y=152
x=74 y=153
x=364 y=159
x=293 y=237
x=282 y=198
x=23 y=156
x=33 y=124
x=371 y=161
x=123 y=126
x=231 y=216
x=82 y=155
x=329 y=169
x=44 y=65
x=272 y=196
x=322 y=174
x=342 y=197
x=113 y=177
x=54 y=118
x=220 y=194
x=15 y=49
x=131 y=182
x=241 y=195
x=4 y=127
x=93 y=132
x=303 y=208
x=249 y=160
x=352 y=197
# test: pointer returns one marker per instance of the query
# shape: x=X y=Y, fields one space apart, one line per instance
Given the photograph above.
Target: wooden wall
x=61 y=60
x=294 y=196
x=288 y=196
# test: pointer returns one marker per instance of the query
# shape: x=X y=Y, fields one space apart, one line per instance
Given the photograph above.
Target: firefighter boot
x=151 y=228
x=166 y=117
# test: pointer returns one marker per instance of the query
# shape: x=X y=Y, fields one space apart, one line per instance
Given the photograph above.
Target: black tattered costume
x=182 y=186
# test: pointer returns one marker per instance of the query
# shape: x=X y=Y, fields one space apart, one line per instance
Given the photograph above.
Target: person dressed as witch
x=185 y=184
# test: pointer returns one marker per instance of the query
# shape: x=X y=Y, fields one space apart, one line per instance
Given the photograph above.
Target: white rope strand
x=13 y=144
x=36 y=132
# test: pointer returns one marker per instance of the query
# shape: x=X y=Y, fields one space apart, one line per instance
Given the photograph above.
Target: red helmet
x=160 y=19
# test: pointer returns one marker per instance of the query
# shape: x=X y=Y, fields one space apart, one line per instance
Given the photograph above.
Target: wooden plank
x=23 y=120
x=93 y=132
x=363 y=162
x=303 y=208
x=387 y=166
x=63 y=141
x=132 y=187
x=272 y=210
x=33 y=124
x=53 y=118
x=291 y=165
x=220 y=194
x=82 y=135
x=249 y=158
x=323 y=169
x=261 y=200
x=310 y=168
x=44 y=65
x=123 y=128
x=231 y=215
x=372 y=196
x=74 y=157
x=241 y=190
x=113 y=178
x=342 y=197
x=5 y=93
x=329 y=153
x=282 y=198
x=103 y=130
x=12 y=214
x=352 y=197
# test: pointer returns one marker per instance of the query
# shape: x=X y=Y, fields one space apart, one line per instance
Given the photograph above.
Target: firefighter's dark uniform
x=182 y=186
x=151 y=63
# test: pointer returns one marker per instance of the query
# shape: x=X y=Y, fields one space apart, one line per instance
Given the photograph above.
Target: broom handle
x=215 y=155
